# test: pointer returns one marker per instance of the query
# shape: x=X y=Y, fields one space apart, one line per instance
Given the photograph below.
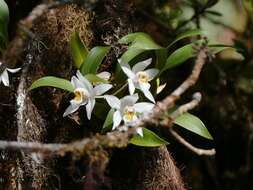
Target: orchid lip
x=142 y=77
x=81 y=95
x=129 y=114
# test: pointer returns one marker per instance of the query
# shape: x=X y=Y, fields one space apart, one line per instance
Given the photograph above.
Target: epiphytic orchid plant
x=140 y=74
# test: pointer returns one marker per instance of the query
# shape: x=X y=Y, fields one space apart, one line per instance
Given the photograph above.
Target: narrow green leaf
x=95 y=58
x=138 y=43
x=140 y=40
x=211 y=3
x=215 y=13
x=149 y=139
x=193 y=124
x=186 y=34
x=109 y=120
x=4 y=20
x=78 y=50
x=95 y=79
x=130 y=54
x=217 y=48
x=127 y=39
x=186 y=52
x=53 y=82
x=161 y=55
x=179 y=56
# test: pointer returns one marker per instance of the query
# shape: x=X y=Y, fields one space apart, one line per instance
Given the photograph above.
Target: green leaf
x=130 y=54
x=161 y=55
x=186 y=34
x=140 y=40
x=4 y=20
x=179 y=56
x=95 y=79
x=186 y=52
x=149 y=139
x=144 y=41
x=211 y=3
x=53 y=82
x=94 y=59
x=217 y=48
x=78 y=50
x=109 y=120
x=193 y=124
x=138 y=43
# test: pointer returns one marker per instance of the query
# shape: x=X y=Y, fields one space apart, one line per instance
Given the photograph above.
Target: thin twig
x=181 y=110
x=186 y=107
x=194 y=149
x=169 y=101
x=120 y=89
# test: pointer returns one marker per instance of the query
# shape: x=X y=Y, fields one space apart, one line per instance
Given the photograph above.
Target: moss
x=56 y=26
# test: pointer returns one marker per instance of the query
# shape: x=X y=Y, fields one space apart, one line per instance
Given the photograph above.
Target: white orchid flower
x=138 y=78
x=128 y=110
x=85 y=94
x=4 y=77
x=104 y=75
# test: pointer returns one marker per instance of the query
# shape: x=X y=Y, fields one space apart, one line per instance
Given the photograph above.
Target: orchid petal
x=143 y=107
x=77 y=83
x=113 y=101
x=14 y=70
x=144 y=86
x=131 y=86
x=90 y=107
x=141 y=65
x=160 y=88
x=5 y=78
x=139 y=131
x=152 y=73
x=104 y=75
x=84 y=80
x=129 y=100
x=71 y=109
x=101 y=89
x=116 y=119
x=146 y=92
x=126 y=69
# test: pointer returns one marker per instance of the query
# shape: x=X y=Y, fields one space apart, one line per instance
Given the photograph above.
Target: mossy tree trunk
x=39 y=113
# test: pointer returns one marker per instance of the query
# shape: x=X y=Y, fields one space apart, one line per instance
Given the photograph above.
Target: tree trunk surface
x=39 y=113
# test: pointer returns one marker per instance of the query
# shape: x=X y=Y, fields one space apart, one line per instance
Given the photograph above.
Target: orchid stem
x=100 y=97
x=120 y=89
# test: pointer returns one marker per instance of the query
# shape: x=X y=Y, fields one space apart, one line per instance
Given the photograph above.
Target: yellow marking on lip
x=142 y=77
x=78 y=96
x=129 y=114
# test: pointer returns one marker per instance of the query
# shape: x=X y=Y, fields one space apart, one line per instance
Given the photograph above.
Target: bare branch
x=188 y=106
x=194 y=149
x=114 y=139
x=181 y=110
x=121 y=139
x=168 y=102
